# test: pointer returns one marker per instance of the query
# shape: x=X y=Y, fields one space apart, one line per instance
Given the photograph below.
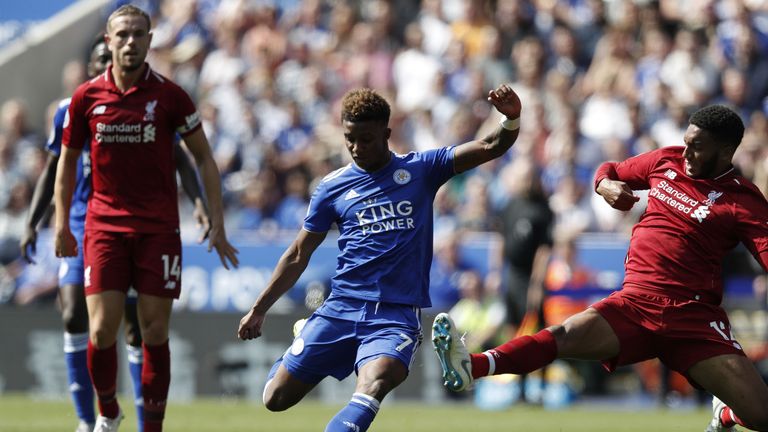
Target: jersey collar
x=143 y=80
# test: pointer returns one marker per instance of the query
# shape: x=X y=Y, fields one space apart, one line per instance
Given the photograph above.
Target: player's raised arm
x=197 y=143
x=65 y=242
x=288 y=270
x=474 y=153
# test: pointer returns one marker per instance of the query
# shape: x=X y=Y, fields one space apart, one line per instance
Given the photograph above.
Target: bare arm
x=191 y=186
x=474 y=153
x=197 y=143
x=288 y=270
x=66 y=244
x=41 y=202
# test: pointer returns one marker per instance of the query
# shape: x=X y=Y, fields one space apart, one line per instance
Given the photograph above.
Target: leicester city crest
x=401 y=176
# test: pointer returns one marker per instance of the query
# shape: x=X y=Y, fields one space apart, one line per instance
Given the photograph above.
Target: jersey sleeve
x=320 y=214
x=634 y=171
x=752 y=225
x=75 y=123
x=185 y=117
x=53 y=145
x=439 y=165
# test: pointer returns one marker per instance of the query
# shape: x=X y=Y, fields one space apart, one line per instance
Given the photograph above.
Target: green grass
x=22 y=413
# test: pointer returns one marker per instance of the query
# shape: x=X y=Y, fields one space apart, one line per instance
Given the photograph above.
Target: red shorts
x=680 y=332
x=149 y=262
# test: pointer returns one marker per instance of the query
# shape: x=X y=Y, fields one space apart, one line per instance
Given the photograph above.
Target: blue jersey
x=83 y=181
x=385 y=225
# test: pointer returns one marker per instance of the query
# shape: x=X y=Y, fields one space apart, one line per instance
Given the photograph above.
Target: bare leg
x=735 y=381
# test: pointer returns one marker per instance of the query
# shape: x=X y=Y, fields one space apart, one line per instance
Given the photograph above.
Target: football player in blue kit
x=382 y=205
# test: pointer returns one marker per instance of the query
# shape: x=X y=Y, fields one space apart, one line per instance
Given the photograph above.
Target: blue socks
x=135 y=363
x=356 y=416
x=75 y=355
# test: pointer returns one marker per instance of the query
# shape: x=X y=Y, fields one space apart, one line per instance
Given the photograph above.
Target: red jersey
x=132 y=136
x=677 y=247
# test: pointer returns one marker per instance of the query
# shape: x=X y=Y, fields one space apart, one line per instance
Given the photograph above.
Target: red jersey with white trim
x=677 y=247
x=132 y=156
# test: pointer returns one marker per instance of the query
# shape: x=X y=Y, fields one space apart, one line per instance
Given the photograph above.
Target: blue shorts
x=344 y=334
x=71 y=271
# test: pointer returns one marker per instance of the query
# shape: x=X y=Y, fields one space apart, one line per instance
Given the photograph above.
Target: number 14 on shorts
x=171 y=267
x=719 y=327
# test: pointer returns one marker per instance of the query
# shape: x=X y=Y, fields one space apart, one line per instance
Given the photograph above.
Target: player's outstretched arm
x=474 y=153
x=191 y=186
x=288 y=270
x=197 y=143
x=41 y=201
x=65 y=242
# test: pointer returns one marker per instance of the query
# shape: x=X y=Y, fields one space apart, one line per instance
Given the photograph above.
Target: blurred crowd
x=599 y=80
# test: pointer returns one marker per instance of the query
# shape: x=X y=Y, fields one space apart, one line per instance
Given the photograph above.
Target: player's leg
x=323 y=346
x=157 y=279
x=374 y=381
x=283 y=390
x=106 y=279
x=74 y=316
x=135 y=352
x=105 y=312
x=734 y=380
x=584 y=336
x=389 y=336
x=154 y=317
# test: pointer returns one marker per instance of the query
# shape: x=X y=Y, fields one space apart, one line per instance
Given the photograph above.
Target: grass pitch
x=22 y=413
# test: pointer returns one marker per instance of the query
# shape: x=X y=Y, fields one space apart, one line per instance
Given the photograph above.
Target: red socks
x=102 y=366
x=155 y=380
x=519 y=356
x=729 y=419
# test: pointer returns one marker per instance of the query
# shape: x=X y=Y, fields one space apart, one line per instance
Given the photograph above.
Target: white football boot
x=106 y=424
x=715 y=425
x=453 y=355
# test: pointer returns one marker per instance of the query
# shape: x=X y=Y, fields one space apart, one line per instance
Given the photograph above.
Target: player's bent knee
x=102 y=337
x=277 y=398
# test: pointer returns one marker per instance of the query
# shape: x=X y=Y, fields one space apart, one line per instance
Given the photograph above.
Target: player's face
x=704 y=156
x=128 y=37
x=367 y=143
x=100 y=59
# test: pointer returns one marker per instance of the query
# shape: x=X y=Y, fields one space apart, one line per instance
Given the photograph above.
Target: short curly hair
x=364 y=104
x=720 y=121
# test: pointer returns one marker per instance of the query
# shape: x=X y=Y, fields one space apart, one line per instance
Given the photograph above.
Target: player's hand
x=65 y=243
x=250 y=325
x=227 y=253
x=506 y=101
x=28 y=244
x=202 y=221
x=617 y=194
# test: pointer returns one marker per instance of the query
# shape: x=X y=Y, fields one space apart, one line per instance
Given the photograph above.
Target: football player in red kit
x=669 y=307
x=131 y=114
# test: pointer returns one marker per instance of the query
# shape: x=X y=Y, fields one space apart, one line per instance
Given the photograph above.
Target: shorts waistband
x=702 y=296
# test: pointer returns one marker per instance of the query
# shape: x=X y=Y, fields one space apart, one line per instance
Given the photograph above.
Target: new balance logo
x=351 y=194
x=170 y=285
x=701 y=213
x=670 y=174
x=101 y=109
